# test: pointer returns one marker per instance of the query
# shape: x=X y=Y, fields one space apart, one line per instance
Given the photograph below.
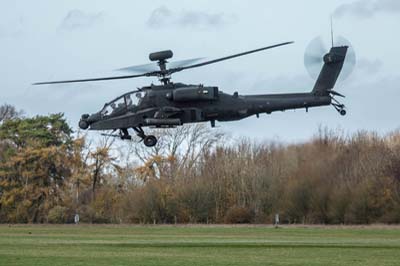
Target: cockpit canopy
x=123 y=104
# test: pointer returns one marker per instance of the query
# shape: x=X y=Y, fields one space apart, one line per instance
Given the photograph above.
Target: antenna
x=332 y=30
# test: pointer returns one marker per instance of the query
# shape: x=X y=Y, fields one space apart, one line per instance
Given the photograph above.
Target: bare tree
x=8 y=112
x=178 y=150
x=102 y=159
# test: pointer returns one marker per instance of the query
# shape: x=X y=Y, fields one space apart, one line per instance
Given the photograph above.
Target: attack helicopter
x=171 y=104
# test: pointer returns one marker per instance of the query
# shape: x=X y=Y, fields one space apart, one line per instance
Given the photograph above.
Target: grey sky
x=368 y=8
x=163 y=17
x=49 y=40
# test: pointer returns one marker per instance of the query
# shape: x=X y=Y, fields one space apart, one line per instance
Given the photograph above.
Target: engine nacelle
x=194 y=94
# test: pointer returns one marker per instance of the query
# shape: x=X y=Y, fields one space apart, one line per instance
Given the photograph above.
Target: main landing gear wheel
x=343 y=112
x=150 y=141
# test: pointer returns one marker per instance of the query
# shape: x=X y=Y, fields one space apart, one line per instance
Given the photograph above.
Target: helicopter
x=169 y=104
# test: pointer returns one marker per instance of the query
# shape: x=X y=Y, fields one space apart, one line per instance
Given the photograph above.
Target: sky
x=46 y=40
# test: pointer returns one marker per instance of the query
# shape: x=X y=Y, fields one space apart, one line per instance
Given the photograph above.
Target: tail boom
x=333 y=64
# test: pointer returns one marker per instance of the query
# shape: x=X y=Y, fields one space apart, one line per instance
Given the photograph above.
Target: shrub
x=57 y=215
x=239 y=215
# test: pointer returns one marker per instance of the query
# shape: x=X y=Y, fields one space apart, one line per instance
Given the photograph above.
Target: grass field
x=198 y=245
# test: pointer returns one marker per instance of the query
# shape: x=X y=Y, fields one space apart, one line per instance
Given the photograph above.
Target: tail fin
x=333 y=64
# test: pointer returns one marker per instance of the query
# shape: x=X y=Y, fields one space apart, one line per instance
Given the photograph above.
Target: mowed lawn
x=198 y=245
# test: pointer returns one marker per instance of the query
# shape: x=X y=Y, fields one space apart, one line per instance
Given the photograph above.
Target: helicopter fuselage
x=172 y=105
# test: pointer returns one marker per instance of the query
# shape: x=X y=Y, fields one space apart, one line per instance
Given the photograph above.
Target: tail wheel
x=150 y=141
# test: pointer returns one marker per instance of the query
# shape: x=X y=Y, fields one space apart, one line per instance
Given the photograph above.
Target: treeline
x=194 y=175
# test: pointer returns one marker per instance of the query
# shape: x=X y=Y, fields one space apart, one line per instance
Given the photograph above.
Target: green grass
x=190 y=246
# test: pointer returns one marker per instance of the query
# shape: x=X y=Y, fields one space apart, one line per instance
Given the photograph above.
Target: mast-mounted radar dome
x=161 y=56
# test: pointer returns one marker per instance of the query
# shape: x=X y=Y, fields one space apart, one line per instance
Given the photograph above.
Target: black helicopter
x=173 y=104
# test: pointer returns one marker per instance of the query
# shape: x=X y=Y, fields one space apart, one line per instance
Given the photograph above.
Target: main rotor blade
x=173 y=70
x=168 y=71
x=154 y=66
x=94 y=79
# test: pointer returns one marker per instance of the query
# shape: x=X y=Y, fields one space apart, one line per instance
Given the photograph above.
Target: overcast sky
x=48 y=40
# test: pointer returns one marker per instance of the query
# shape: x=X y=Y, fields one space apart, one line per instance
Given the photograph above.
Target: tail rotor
x=316 y=50
x=328 y=66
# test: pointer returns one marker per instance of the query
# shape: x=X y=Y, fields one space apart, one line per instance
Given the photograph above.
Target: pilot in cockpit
x=128 y=100
x=139 y=97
